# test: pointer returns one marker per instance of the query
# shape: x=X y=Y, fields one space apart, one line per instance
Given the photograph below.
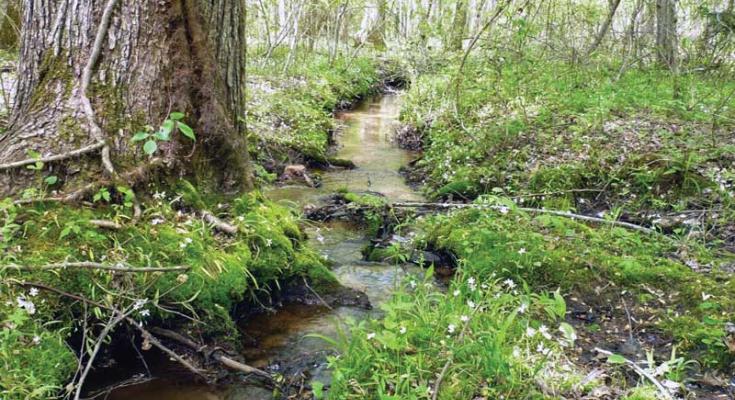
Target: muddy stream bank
x=280 y=342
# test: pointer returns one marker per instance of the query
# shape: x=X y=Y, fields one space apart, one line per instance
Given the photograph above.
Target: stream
x=280 y=342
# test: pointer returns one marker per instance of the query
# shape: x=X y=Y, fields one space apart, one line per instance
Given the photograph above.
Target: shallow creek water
x=279 y=342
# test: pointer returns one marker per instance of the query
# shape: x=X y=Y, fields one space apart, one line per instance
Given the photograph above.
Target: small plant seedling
x=172 y=124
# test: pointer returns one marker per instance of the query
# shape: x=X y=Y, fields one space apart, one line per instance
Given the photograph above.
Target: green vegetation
x=290 y=113
x=223 y=272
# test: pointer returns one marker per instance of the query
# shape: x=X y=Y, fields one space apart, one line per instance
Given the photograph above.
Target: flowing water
x=280 y=342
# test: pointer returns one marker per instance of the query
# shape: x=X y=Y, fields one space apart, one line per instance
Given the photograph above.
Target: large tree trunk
x=666 y=33
x=154 y=57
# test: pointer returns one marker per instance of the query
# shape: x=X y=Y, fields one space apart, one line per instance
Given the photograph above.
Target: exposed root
x=58 y=157
x=215 y=354
x=95 y=130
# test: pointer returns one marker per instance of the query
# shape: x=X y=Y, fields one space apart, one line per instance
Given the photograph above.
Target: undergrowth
x=223 y=271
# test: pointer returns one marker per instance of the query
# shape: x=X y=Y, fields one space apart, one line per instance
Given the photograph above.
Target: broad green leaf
x=616 y=359
x=167 y=126
x=140 y=136
x=51 y=180
x=150 y=147
x=176 y=116
x=163 y=135
x=186 y=130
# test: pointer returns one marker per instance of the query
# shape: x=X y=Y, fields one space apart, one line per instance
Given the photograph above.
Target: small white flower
x=159 y=195
x=412 y=284
x=509 y=282
x=464 y=318
x=471 y=281
x=240 y=218
x=33 y=292
x=145 y=313
x=451 y=328
x=456 y=292
x=157 y=221
x=471 y=304
x=530 y=332
x=268 y=242
x=523 y=308
x=544 y=331
x=188 y=240
x=516 y=352
x=36 y=340
x=542 y=349
x=402 y=330
x=139 y=304
x=522 y=250
x=371 y=336
x=503 y=210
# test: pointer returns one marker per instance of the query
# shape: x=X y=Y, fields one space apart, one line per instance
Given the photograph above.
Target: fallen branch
x=57 y=157
x=642 y=372
x=218 y=224
x=565 y=214
x=217 y=355
x=99 y=266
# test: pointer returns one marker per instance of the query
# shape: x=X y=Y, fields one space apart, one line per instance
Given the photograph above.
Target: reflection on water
x=281 y=342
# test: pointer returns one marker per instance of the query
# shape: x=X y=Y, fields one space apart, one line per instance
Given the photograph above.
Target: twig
x=94 y=265
x=57 y=157
x=145 y=334
x=114 y=320
x=95 y=129
x=642 y=372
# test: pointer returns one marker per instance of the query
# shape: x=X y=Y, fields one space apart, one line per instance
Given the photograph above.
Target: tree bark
x=605 y=27
x=155 y=57
x=459 y=26
x=666 y=33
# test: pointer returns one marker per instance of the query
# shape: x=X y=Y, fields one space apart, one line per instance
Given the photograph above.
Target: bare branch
x=58 y=157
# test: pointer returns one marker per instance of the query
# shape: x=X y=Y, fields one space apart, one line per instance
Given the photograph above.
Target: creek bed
x=281 y=342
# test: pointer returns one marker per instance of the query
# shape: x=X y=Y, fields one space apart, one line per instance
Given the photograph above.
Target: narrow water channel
x=280 y=342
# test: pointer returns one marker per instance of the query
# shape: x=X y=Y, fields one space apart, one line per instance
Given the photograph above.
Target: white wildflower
x=530 y=332
x=33 y=292
x=145 y=313
x=509 y=282
x=268 y=242
x=516 y=352
x=464 y=318
x=543 y=349
x=139 y=304
x=503 y=210
x=36 y=340
x=402 y=331
x=412 y=284
x=157 y=221
x=371 y=336
x=159 y=195
x=523 y=308
x=471 y=304
x=451 y=328
x=456 y=292
x=522 y=250
x=544 y=331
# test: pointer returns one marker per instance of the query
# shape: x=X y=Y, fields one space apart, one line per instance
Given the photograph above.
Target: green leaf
x=176 y=116
x=140 y=136
x=150 y=147
x=167 y=126
x=616 y=359
x=186 y=130
x=163 y=135
x=51 y=180
x=318 y=389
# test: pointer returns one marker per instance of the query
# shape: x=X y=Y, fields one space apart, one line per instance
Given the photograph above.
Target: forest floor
x=538 y=306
